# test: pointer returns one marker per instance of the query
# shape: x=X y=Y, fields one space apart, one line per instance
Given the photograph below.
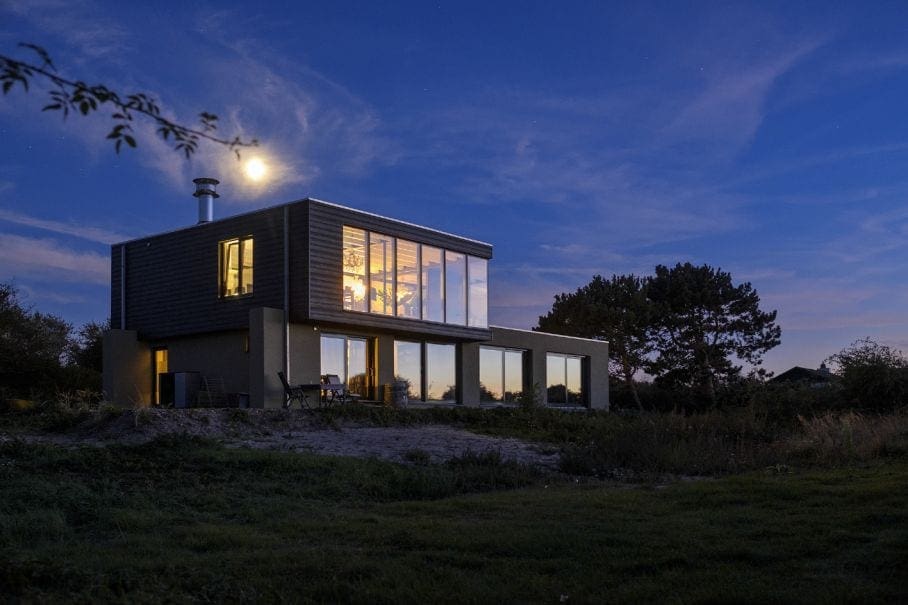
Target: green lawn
x=189 y=520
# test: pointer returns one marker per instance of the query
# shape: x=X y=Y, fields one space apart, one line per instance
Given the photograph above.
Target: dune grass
x=184 y=519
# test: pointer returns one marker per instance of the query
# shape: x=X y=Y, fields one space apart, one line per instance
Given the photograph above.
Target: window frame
x=223 y=247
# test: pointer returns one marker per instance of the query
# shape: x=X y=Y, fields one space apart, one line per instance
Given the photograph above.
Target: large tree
x=705 y=323
x=32 y=345
x=615 y=310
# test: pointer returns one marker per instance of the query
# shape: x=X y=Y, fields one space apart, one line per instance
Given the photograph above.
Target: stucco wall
x=127 y=369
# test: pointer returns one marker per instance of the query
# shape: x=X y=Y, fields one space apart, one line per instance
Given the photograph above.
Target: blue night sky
x=577 y=137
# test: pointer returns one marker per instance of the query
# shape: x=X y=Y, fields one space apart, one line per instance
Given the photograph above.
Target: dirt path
x=296 y=431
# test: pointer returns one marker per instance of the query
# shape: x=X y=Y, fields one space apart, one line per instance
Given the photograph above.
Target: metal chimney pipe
x=205 y=191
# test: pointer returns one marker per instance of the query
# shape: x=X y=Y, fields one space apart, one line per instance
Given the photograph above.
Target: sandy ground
x=294 y=430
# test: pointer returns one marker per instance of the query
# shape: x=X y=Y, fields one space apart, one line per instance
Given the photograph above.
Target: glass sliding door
x=348 y=358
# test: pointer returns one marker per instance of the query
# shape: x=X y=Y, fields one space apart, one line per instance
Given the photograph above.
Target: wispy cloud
x=86 y=232
x=48 y=259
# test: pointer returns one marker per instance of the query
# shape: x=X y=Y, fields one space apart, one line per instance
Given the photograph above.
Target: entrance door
x=159 y=366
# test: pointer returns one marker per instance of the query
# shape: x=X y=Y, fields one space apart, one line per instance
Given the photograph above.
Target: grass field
x=181 y=519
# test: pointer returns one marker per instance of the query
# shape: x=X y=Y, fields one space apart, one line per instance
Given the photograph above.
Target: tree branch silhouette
x=75 y=96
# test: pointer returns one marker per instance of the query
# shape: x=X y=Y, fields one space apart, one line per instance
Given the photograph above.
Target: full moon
x=255 y=169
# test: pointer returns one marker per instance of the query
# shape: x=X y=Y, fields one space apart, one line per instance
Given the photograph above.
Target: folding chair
x=292 y=394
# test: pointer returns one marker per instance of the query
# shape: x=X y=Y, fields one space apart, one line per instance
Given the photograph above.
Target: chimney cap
x=205 y=186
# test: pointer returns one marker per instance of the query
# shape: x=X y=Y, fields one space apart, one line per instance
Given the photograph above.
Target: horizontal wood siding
x=326 y=224
x=172 y=279
x=115 y=287
x=299 y=261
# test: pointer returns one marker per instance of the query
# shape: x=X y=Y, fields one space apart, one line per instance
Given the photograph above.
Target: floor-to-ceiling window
x=408 y=268
x=354 y=269
x=478 y=295
x=348 y=358
x=564 y=379
x=386 y=275
x=433 y=284
x=381 y=274
x=441 y=372
x=408 y=366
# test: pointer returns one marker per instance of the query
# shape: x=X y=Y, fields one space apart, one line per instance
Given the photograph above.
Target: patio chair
x=292 y=394
x=335 y=391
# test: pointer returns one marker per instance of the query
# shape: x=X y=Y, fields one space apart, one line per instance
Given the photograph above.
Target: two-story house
x=313 y=288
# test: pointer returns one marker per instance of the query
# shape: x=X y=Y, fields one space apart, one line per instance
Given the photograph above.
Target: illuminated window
x=354 y=269
x=236 y=267
x=385 y=275
x=500 y=374
x=408 y=299
x=159 y=367
x=564 y=379
x=478 y=296
x=433 y=284
x=381 y=274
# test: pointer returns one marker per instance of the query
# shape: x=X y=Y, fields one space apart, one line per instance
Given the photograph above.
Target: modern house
x=312 y=288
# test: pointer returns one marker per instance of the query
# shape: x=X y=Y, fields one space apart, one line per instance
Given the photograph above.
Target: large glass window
x=347 y=358
x=236 y=267
x=354 y=255
x=390 y=276
x=478 y=298
x=408 y=367
x=381 y=274
x=408 y=299
x=433 y=284
x=500 y=374
x=441 y=372
x=455 y=288
x=564 y=379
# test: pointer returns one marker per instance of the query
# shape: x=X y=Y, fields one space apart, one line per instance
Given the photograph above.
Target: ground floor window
x=500 y=374
x=564 y=379
x=348 y=357
x=408 y=367
x=429 y=369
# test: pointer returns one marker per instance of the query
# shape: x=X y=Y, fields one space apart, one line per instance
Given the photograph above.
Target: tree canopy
x=69 y=95
x=615 y=310
x=686 y=325
x=703 y=321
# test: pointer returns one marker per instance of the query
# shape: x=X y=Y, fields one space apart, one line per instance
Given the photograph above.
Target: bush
x=874 y=376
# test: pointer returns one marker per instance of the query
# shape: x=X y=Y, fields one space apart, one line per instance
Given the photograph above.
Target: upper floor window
x=236 y=267
x=386 y=275
x=355 y=269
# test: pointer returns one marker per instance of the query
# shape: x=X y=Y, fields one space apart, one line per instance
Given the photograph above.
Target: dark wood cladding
x=326 y=223
x=172 y=278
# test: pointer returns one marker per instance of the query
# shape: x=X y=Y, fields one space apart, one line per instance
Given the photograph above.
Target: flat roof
x=307 y=199
x=548 y=334
x=397 y=220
